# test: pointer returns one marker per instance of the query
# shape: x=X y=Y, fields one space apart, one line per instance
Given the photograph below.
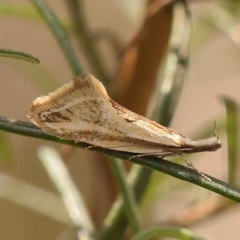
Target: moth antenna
x=190 y=165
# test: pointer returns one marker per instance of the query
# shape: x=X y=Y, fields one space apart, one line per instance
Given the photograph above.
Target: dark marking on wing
x=53 y=117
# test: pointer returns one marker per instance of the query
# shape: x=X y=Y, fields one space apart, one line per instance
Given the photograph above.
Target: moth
x=82 y=111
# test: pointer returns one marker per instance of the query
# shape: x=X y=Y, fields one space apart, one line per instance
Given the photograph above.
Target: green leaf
x=158 y=164
x=18 y=55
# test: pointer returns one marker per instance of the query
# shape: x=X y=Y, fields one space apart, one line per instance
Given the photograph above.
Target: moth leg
x=190 y=165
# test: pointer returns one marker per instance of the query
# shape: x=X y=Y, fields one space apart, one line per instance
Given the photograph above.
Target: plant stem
x=59 y=33
x=85 y=39
x=127 y=194
x=158 y=164
x=168 y=90
x=71 y=196
x=116 y=221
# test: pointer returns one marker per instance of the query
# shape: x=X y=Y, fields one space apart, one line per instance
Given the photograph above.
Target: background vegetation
x=142 y=53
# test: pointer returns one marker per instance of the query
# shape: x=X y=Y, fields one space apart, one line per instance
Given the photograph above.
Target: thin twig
x=158 y=164
x=127 y=193
x=115 y=223
x=71 y=196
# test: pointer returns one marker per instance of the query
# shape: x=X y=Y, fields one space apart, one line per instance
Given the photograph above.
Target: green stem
x=72 y=197
x=127 y=193
x=158 y=164
x=115 y=223
x=59 y=33
x=18 y=55
x=85 y=39
x=169 y=89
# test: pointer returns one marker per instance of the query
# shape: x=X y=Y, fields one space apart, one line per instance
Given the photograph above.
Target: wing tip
x=202 y=145
x=88 y=81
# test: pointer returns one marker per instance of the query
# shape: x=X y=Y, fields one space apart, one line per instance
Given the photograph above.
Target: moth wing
x=143 y=128
x=82 y=111
x=77 y=104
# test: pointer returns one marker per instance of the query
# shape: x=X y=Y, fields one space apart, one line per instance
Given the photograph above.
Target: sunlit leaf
x=18 y=55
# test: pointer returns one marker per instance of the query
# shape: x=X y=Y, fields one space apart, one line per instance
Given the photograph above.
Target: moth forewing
x=82 y=111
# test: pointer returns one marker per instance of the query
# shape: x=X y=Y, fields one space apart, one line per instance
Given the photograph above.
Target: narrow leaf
x=18 y=55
